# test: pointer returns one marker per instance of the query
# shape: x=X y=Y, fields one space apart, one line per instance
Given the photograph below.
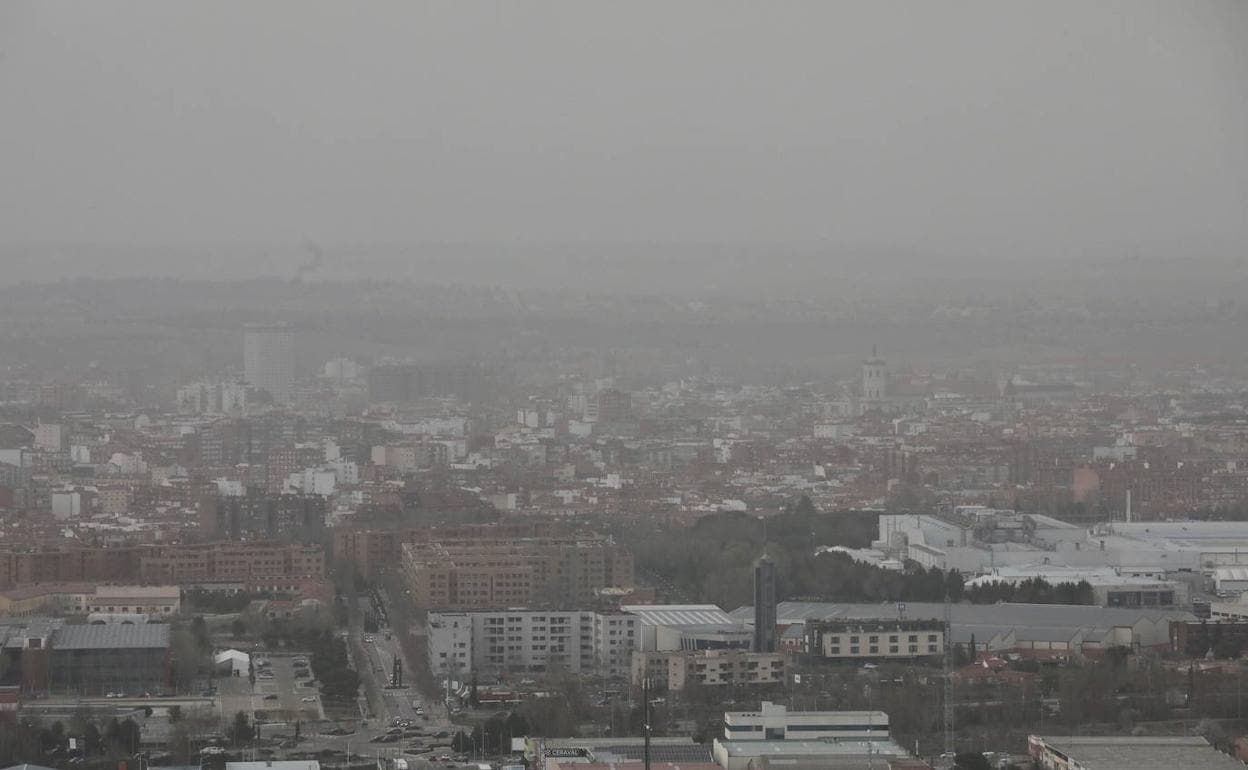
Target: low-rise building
x=89 y=598
x=874 y=639
x=774 y=722
x=775 y=735
x=712 y=668
x=99 y=659
x=1126 y=753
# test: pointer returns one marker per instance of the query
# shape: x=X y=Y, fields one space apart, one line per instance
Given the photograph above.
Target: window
x=874 y=650
x=914 y=648
x=892 y=639
x=931 y=638
x=914 y=638
x=853 y=650
x=892 y=649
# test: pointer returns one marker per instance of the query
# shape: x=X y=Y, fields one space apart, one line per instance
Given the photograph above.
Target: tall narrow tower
x=874 y=378
x=764 y=605
x=269 y=358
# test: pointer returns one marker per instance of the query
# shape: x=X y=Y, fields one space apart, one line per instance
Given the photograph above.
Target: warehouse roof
x=680 y=614
x=997 y=615
x=795 y=749
x=152 y=635
x=1140 y=752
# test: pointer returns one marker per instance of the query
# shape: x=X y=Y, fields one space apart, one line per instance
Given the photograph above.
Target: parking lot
x=279 y=695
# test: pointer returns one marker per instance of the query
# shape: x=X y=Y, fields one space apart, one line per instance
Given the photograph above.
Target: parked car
x=309 y=699
x=271 y=696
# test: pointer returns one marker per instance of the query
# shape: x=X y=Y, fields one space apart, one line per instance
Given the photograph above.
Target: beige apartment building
x=565 y=571
x=677 y=669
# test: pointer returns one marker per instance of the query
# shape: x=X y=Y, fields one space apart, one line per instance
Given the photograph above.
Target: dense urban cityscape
x=292 y=551
x=587 y=385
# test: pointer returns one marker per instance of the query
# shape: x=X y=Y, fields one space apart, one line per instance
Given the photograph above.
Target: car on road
x=115 y=695
x=308 y=699
x=271 y=696
x=369 y=638
x=385 y=739
x=442 y=734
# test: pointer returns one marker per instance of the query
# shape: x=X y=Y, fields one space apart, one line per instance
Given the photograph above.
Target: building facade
x=553 y=571
x=676 y=670
x=269 y=359
x=530 y=641
x=99 y=659
x=867 y=640
x=289 y=518
x=774 y=722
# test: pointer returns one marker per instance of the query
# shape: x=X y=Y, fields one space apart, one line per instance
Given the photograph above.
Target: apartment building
x=85 y=598
x=871 y=639
x=678 y=669
x=69 y=564
x=258 y=565
x=517 y=641
x=565 y=571
x=376 y=550
x=290 y=518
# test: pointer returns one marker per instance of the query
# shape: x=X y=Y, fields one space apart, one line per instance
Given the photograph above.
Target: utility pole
x=645 y=719
x=948 y=715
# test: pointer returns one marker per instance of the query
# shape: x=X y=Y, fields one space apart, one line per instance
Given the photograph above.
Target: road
x=379 y=651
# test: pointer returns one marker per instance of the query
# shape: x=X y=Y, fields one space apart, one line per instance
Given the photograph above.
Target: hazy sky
x=1019 y=127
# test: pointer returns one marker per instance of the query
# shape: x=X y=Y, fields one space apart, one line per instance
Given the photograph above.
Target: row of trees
x=32 y=741
x=1032 y=591
x=339 y=682
x=714 y=559
x=493 y=737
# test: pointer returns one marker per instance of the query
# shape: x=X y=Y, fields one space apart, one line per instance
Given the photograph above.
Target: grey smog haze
x=992 y=129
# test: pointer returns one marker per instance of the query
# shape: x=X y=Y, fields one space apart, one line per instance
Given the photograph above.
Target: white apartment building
x=518 y=640
x=774 y=722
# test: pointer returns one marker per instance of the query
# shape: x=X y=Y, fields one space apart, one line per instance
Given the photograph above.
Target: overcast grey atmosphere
x=721 y=384
x=215 y=140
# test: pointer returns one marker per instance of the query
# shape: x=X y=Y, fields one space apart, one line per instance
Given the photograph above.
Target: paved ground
x=237 y=694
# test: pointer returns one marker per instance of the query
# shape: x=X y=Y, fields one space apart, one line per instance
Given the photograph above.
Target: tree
x=238 y=628
x=474 y=699
x=92 y=741
x=175 y=714
x=461 y=743
x=240 y=730
x=199 y=631
x=954 y=585
x=122 y=738
x=188 y=658
x=971 y=760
